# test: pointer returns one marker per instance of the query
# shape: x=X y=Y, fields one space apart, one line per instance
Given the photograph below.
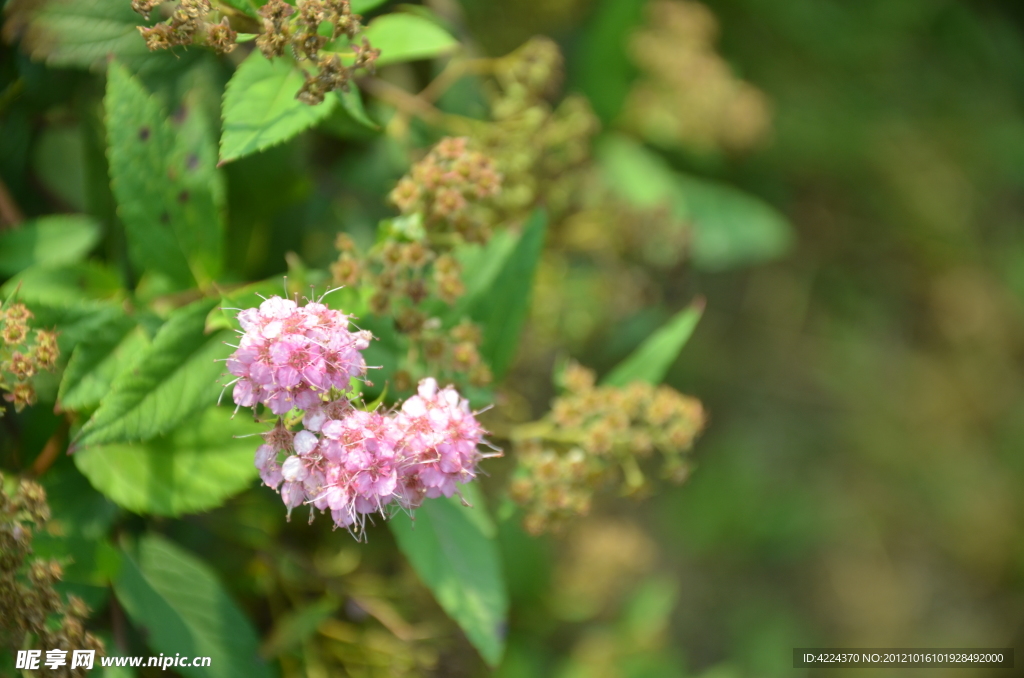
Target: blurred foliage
x=841 y=182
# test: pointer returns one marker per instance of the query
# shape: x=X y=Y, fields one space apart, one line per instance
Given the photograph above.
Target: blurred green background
x=859 y=483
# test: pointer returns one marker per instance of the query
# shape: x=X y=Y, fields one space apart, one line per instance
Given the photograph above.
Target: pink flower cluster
x=289 y=356
x=346 y=460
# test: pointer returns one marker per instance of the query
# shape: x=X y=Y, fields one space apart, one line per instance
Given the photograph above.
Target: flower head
x=345 y=460
x=292 y=356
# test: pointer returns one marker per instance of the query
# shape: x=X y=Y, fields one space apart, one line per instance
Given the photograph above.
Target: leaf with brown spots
x=169 y=192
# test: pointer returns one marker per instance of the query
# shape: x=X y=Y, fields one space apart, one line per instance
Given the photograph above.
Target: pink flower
x=291 y=356
x=440 y=435
x=348 y=461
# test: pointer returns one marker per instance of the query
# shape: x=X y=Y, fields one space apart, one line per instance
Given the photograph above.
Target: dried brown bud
x=272 y=42
x=366 y=55
x=20 y=366
x=346 y=270
x=21 y=395
x=276 y=11
x=15 y=331
x=405 y=195
x=221 y=37
x=343 y=243
x=144 y=7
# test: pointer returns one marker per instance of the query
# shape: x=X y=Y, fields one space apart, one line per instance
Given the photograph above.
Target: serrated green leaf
x=173 y=378
x=77 y=323
x=650 y=361
x=502 y=310
x=260 y=108
x=407 y=37
x=85 y=33
x=77 y=300
x=194 y=468
x=49 y=241
x=177 y=599
x=162 y=179
x=453 y=549
x=97 y=361
x=65 y=285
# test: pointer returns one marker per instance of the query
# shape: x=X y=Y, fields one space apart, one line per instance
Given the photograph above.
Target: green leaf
x=162 y=179
x=174 y=378
x=481 y=264
x=636 y=173
x=85 y=33
x=51 y=241
x=605 y=73
x=194 y=468
x=89 y=564
x=92 y=561
x=260 y=108
x=296 y=627
x=502 y=310
x=651 y=360
x=249 y=8
x=176 y=598
x=81 y=518
x=352 y=103
x=98 y=360
x=730 y=228
x=65 y=286
x=452 y=547
x=59 y=164
x=77 y=299
x=76 y=507
x=407 y=37
x=364 y=6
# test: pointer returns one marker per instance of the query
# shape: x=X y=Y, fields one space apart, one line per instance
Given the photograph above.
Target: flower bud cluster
x=188 y=24
x=448 y=188
x=404 y=275
x=28 y=599
x=452 y=353
x=444 y=201
x=284 y=28
x=553 y=487
x=595 y=435
x=23 y=353
x=541 y=151
x=346 y=460
x=688 y=95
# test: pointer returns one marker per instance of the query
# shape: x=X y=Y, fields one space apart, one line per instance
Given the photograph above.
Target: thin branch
x=451 y=74
x=10 y=215
x=51 y=449
x=409 y=104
